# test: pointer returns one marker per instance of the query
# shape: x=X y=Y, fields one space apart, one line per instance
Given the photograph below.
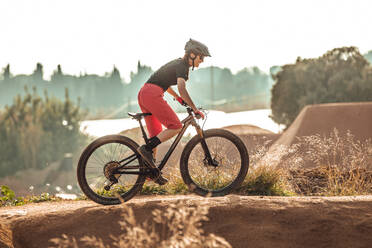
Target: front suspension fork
x=208 y=156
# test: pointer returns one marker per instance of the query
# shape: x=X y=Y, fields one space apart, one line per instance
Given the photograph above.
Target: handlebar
x=188 y=108
x=190 y=111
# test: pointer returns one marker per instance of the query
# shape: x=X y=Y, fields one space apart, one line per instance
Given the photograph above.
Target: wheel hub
x=212 y=162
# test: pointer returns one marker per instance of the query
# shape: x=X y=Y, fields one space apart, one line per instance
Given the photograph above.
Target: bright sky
x=93 y=35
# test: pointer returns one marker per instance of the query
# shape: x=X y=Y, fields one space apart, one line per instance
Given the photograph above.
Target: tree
x=340 y=75
x=115 y=76
x=57 y=74
x=38 y=72
x=35 y=132
x=6 y=72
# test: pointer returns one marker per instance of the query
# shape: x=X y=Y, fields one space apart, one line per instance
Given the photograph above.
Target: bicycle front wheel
x=226 y=172
x=98 y=166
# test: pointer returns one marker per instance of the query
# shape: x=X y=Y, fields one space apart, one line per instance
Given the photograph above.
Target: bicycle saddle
x=138 y=116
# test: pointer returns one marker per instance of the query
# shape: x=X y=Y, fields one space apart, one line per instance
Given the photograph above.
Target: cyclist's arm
x=172 y=92
x=181 y=83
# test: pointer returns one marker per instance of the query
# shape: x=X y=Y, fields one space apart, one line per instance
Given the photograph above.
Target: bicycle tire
x=230 y=141
x=88 y=152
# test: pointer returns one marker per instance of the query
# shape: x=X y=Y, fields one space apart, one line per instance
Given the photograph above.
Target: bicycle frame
x=189 y=120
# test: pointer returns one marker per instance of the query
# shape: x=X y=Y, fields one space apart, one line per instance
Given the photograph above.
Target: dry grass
x=178 y=226
x=266 y=180
x=331 y=181
x=332 y=166
x=262 y=177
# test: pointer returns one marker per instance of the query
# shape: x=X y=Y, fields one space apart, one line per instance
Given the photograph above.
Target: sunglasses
x=201 y=57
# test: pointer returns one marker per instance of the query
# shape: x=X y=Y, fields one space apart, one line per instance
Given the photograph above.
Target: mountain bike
x=214 y=162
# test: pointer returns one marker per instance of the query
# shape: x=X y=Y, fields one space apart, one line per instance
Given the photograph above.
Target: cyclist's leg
x=166 y=116
x=151 y=99
x=153 y=126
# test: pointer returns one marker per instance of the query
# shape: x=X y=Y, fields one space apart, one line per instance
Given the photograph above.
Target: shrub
x=266 y=180
x=7 y=195
x=329 y=165
x=36 y=131
x=8 y=198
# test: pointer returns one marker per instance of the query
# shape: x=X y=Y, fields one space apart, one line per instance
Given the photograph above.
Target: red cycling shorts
x=150 y=100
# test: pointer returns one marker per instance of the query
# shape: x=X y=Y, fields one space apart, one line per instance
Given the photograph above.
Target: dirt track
x=243 y=221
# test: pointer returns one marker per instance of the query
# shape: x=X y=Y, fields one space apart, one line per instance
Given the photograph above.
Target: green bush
x=8 y=197
x=35 y=131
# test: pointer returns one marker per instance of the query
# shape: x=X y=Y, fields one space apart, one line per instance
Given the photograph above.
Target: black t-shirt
x=167 y=74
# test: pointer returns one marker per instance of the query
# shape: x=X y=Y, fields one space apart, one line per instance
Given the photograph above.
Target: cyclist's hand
x=181 y=101
x=199 y=114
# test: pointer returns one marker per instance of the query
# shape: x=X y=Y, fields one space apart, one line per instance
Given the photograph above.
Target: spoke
x=109 y=151
x=93 y=177
x=93 y=169
x=100 y=182
x=112 y=151
x=120 y=152
x=97 y=159
x=116 y=149
x=95 y=162
x=217 y=145
x=94 y=165
x=104 y=151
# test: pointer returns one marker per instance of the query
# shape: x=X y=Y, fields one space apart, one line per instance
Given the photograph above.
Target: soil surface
x=244 y=221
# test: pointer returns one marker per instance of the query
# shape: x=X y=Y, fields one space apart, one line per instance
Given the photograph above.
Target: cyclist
x=150 y=99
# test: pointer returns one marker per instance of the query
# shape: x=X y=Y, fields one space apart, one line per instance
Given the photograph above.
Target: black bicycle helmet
x=197 y=48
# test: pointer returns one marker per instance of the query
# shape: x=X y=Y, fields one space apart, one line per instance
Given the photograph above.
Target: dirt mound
x=253 y=137
x=243 y=221
x=324 y=118
x=247 y=130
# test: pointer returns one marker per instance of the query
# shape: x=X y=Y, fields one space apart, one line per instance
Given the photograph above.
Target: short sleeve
x=182 y=72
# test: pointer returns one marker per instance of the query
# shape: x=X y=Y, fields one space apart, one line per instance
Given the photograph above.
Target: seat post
x=143 y=131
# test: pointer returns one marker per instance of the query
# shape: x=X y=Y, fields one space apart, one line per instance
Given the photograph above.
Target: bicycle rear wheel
x=98 y=163
x=229 y=168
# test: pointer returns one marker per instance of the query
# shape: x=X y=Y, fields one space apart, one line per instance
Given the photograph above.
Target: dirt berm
x=243 y=221
x=322 y=119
